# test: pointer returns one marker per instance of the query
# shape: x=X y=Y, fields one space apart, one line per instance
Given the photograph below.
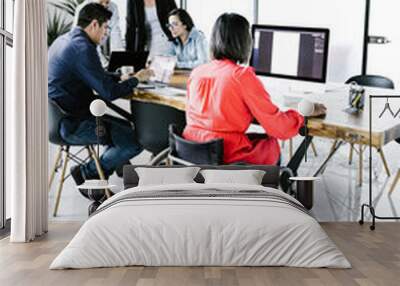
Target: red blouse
x=223 y=98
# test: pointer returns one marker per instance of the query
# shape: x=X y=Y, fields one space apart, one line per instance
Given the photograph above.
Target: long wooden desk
x=336 y=125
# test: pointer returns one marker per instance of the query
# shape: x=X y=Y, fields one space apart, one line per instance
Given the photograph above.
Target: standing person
x=115 y=42
x=75 y=72
x=146 y=29
x=225 y=97
x=190 y=45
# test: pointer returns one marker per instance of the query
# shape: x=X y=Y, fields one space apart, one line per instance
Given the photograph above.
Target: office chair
x=186 y=152
x=56 y=115
x=371 y=81
x=151 y=127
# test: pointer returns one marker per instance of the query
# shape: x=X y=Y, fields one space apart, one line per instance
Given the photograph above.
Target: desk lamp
x=98 y=109
x=91 y=188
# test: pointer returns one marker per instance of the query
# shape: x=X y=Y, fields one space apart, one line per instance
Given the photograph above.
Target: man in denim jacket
x=75 y=72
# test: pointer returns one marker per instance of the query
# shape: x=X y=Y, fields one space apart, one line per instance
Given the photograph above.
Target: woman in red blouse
x=223 y=98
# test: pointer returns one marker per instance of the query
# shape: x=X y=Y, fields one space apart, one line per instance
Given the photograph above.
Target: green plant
x=67 y=6
x=57 y=25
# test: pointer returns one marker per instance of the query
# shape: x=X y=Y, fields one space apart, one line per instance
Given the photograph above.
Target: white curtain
x=26 y=119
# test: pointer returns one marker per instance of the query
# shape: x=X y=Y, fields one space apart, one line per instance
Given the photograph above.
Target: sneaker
x=76 y=174
x=120 y=169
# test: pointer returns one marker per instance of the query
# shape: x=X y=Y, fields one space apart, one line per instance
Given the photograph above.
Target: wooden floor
x=375 y=257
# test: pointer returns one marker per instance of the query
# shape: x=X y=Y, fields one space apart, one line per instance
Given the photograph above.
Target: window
x=6 y=43
x=382 y=57
x=206 y=12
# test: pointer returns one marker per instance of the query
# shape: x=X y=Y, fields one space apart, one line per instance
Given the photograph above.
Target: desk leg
x=351 y=153
x=360 y=167
x=297 y=158
x=396 y=180
x=333 y=151
x=314 y=149
x=385 y=164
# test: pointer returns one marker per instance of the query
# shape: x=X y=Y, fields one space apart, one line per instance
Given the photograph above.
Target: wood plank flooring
x=375 y=257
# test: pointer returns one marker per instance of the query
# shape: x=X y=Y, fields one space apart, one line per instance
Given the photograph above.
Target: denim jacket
x=75 y=71
x=193 y=53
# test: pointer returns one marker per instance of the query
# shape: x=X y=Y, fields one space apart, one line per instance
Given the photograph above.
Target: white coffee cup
x=126 y=70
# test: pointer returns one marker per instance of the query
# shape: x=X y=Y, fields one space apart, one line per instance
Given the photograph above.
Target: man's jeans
x=119 y=139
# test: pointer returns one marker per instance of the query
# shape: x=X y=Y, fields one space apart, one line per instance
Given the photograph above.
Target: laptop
x=118 y=59
x=163 y=68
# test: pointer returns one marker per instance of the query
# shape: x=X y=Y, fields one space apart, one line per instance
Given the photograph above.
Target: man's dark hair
x=93 y=11
x=184 y=17
x=231 y=39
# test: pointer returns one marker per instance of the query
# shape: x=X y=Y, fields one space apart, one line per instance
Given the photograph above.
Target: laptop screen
x=163 y=67
x=118 y=59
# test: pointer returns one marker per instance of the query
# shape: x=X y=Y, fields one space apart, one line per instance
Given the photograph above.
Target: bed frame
x=271 y=177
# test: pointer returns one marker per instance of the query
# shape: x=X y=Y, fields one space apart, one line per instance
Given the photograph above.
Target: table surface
x=337 y=124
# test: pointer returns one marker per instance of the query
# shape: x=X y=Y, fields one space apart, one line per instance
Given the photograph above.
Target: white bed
x=203 y=225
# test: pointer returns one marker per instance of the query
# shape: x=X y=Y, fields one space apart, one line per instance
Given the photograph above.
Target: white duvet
x=202 y=231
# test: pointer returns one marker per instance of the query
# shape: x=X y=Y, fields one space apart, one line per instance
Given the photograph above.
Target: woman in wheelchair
x=225 y=97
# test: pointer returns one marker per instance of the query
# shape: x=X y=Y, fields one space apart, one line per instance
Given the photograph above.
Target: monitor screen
x=290 y=52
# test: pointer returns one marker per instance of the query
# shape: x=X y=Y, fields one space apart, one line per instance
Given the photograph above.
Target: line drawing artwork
x=387 y=108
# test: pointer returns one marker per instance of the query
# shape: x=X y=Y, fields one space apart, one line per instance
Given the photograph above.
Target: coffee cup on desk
x=126 y=70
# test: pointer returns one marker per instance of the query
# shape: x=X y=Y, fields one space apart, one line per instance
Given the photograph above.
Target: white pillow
x=166 y=176
x=248 y=177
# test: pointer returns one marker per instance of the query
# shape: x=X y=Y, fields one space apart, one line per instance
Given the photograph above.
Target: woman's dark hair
x=184 y=17
x=93 y=11
x=231 y=39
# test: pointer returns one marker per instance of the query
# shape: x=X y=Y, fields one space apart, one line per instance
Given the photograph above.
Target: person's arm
x=116 y=41
x=88 y=68
x=276 y=123
x=201 y=48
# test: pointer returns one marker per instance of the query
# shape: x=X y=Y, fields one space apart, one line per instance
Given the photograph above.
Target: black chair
x=151 y=127
x=56 y=115
x=372 y=81
x=187 y=152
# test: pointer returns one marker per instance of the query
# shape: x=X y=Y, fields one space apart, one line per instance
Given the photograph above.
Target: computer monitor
x=290 y=52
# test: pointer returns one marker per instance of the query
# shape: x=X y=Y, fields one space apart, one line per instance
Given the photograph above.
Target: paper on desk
x=171 y=91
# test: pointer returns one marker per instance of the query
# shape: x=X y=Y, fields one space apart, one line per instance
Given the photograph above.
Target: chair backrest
x=372 y=80
x=56 y=114
x=151 y=124
x=270 y=179
x=207 y=153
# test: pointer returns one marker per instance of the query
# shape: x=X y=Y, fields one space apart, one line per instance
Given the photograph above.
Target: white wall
x=206 y=12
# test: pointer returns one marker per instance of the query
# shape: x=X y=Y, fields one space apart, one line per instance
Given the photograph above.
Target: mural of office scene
x=192 y=142
x=131 y=80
